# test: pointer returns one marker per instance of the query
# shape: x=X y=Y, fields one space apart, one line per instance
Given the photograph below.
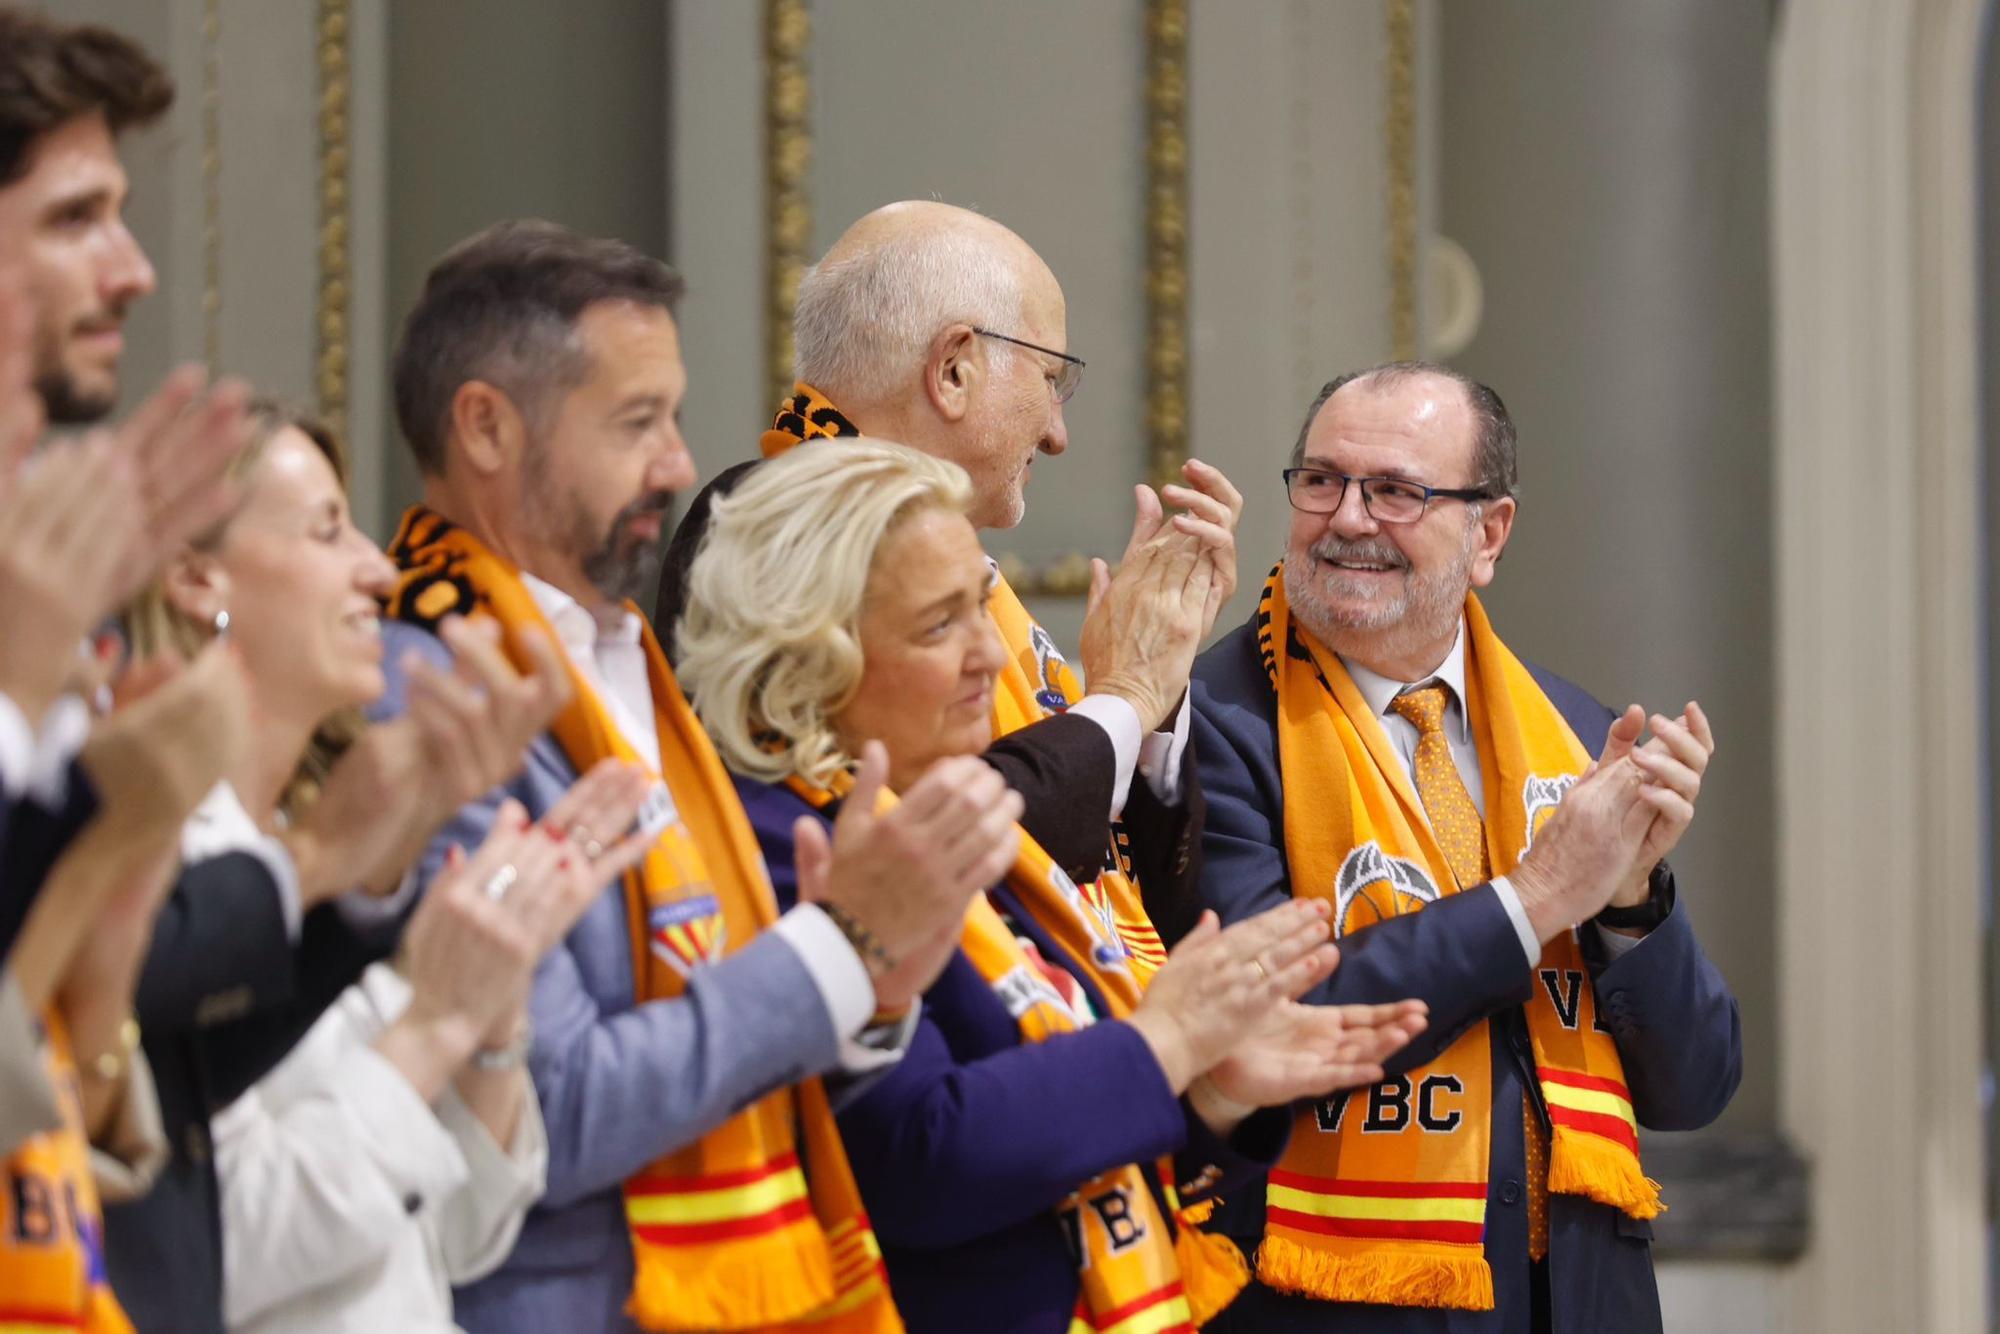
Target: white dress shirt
x=1380 y=692
x=35 y=754
x=349 y=1204
x=610 y=656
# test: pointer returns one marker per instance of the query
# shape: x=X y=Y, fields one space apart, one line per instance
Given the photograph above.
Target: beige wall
x=1605 y=166
x=1032 y=112
x=558 y=112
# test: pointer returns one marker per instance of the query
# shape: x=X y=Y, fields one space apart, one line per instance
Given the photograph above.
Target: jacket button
x=412 y=1202
x=1510 y=1192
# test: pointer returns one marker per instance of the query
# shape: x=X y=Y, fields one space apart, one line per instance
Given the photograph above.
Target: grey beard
x=1426 y=610
x=625 y=571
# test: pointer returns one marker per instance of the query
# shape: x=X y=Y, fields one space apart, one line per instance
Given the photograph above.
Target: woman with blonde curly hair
x=1018 y=1163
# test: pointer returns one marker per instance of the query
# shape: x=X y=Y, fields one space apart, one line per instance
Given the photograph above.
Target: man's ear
x=196 y=586
x=487 y=430
x=1496 y=524
x=954 y=371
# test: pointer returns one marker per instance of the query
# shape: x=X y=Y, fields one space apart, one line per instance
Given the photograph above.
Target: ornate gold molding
x=787 y=179
x=1066 y=576
x=330 y=361
x=211 y=184
x=1166 y=408
x=1400 y=145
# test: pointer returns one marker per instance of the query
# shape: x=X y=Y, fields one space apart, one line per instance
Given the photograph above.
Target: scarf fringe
x=1213 y=1271
x=752 y=1283
x=1584 y=1164
x=1397 y=1278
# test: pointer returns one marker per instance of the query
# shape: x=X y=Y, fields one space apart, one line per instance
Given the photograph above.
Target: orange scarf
x=1139 y=1275
x=51 y=1229
x=732 y=1232
x=1035 y=684
x=1382 y=1195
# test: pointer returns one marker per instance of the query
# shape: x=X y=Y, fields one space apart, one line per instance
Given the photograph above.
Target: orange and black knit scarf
x=1381 y=1196
x=740 y=1230
x=1036 y=683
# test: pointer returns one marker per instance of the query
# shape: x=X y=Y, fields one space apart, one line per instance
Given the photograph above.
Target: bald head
x=868 y=311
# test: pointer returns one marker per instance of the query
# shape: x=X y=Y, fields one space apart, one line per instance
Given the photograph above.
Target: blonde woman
x=395 y=1149
x=1018 y=1163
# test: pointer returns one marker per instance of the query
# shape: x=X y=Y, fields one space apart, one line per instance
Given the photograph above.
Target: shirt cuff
x=17 y=748
x=837 y=971
x=362 y=910
x=1160 y=757
x=1120 y=722
x=879 y=1046
x=1531 y=944
x=1616 y=944
x=65 y=727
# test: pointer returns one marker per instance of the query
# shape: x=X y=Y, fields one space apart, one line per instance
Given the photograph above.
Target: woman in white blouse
x=394 y=1152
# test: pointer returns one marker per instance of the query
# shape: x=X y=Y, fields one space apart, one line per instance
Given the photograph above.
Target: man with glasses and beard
x=1491 y=840
x=679 y=1029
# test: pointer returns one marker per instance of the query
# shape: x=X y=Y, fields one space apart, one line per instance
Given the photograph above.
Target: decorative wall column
x=1878 y=491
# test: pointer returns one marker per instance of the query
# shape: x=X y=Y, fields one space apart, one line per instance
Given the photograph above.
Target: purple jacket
x=964 y=1148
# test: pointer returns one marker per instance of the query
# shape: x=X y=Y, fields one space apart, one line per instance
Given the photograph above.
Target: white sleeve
x=322 y=1184
x=478 y=1223
x=35 y=763
x=837 y=971
x=1524 y=930
x=1160 y=757
x=1120 y=722
x=1616 y=943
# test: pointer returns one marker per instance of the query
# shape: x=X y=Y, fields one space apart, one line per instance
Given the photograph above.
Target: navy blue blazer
x=1670 y=1012
x=963 y=1149
x=32 y=836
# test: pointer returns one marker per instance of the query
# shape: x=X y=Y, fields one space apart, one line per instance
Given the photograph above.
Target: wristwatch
x=1645 y=916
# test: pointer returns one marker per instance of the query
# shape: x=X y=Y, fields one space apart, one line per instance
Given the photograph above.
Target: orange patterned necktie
x=1461 y=836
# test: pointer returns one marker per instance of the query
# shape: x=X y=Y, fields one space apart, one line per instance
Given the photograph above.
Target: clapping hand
x=905 y=877
x=1672 y=762
x=1308 y=1051
x=1219 y=985
x=466 y=732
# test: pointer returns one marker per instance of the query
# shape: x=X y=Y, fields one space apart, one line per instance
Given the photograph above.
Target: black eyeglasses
x=1387 y=499
x=1067 y=378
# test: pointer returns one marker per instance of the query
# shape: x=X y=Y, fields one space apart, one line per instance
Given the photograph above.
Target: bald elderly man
x=939 y=327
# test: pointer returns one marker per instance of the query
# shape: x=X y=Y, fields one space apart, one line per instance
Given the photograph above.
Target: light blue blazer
x=620 y=1083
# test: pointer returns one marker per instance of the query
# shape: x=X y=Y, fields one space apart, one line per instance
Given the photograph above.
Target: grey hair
x=770 y=643
x=864 y=322
x=1497 y=471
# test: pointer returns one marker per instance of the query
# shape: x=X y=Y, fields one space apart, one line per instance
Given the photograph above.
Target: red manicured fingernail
x=554 y=830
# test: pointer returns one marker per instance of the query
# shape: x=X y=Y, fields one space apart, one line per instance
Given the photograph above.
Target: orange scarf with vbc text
x=1381 y=1196
x=757 y=1225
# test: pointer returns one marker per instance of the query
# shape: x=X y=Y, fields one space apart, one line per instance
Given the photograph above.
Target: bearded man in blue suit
x=1494 y=841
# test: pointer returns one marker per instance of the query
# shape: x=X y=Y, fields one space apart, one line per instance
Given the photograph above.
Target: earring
x=222 y=624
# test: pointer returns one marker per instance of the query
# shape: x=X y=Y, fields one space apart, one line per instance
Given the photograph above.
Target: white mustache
x=1370 y=553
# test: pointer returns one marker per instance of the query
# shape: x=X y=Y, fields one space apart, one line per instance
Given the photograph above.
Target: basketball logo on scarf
x=1540 y=796
x=1097 y=911
x=1049 y=664
x=1372 y=886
